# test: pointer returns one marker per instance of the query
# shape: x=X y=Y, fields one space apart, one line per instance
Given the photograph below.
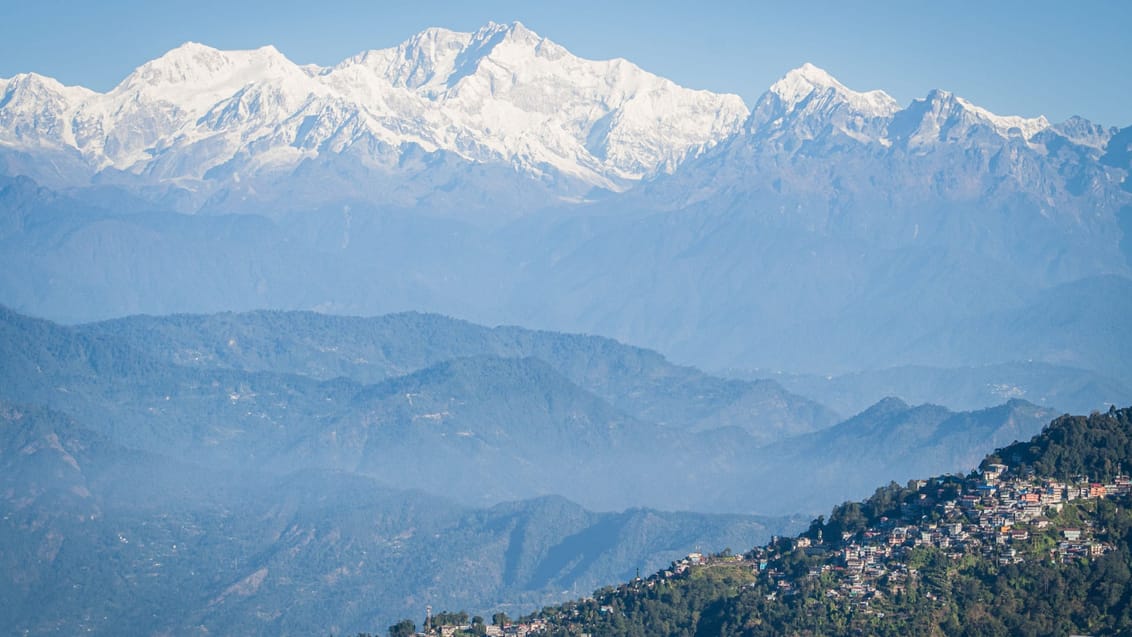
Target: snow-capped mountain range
x=496 y=177
x=443 y=110
x=501 y=95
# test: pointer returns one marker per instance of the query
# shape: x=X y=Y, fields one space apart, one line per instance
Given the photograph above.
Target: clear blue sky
x=1012 y=57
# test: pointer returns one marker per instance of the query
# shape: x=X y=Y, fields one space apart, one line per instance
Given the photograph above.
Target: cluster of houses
x=993 y=514
x=509 y=629
x=518 y=629
x=996 y=515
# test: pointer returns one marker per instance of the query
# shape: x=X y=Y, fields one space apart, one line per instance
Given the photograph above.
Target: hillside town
x=992 y=514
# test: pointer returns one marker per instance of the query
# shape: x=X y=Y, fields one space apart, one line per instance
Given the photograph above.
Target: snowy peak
x=35 y=109
x=190 y=63
x=809 y=82
x=799 y=83
x=506 y=93
x=810 y=104
x=502 y=95
x=423 y=58
x=942 y=117
x=436 y=59
x=195 y=76
x=493 y=33
x=505 y=40
x=501 y=100
x=1008 y=125
x=199 y=64
x=32 y=86
x=506 y=55
x=1083 y=132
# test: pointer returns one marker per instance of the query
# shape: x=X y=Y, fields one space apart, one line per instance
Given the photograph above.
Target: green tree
x=403 y=628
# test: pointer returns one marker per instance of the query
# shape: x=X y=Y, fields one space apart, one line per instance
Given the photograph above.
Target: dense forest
x=1035 y=578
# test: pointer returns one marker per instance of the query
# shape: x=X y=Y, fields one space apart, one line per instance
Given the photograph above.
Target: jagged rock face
x=236 y=122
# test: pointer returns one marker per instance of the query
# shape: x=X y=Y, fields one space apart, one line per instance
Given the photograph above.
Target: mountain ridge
x=221 y=127
x=823 y=231
x=502 y=94
x=484 y=416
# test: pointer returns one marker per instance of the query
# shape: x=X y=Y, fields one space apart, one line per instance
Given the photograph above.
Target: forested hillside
x=1038 y=542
